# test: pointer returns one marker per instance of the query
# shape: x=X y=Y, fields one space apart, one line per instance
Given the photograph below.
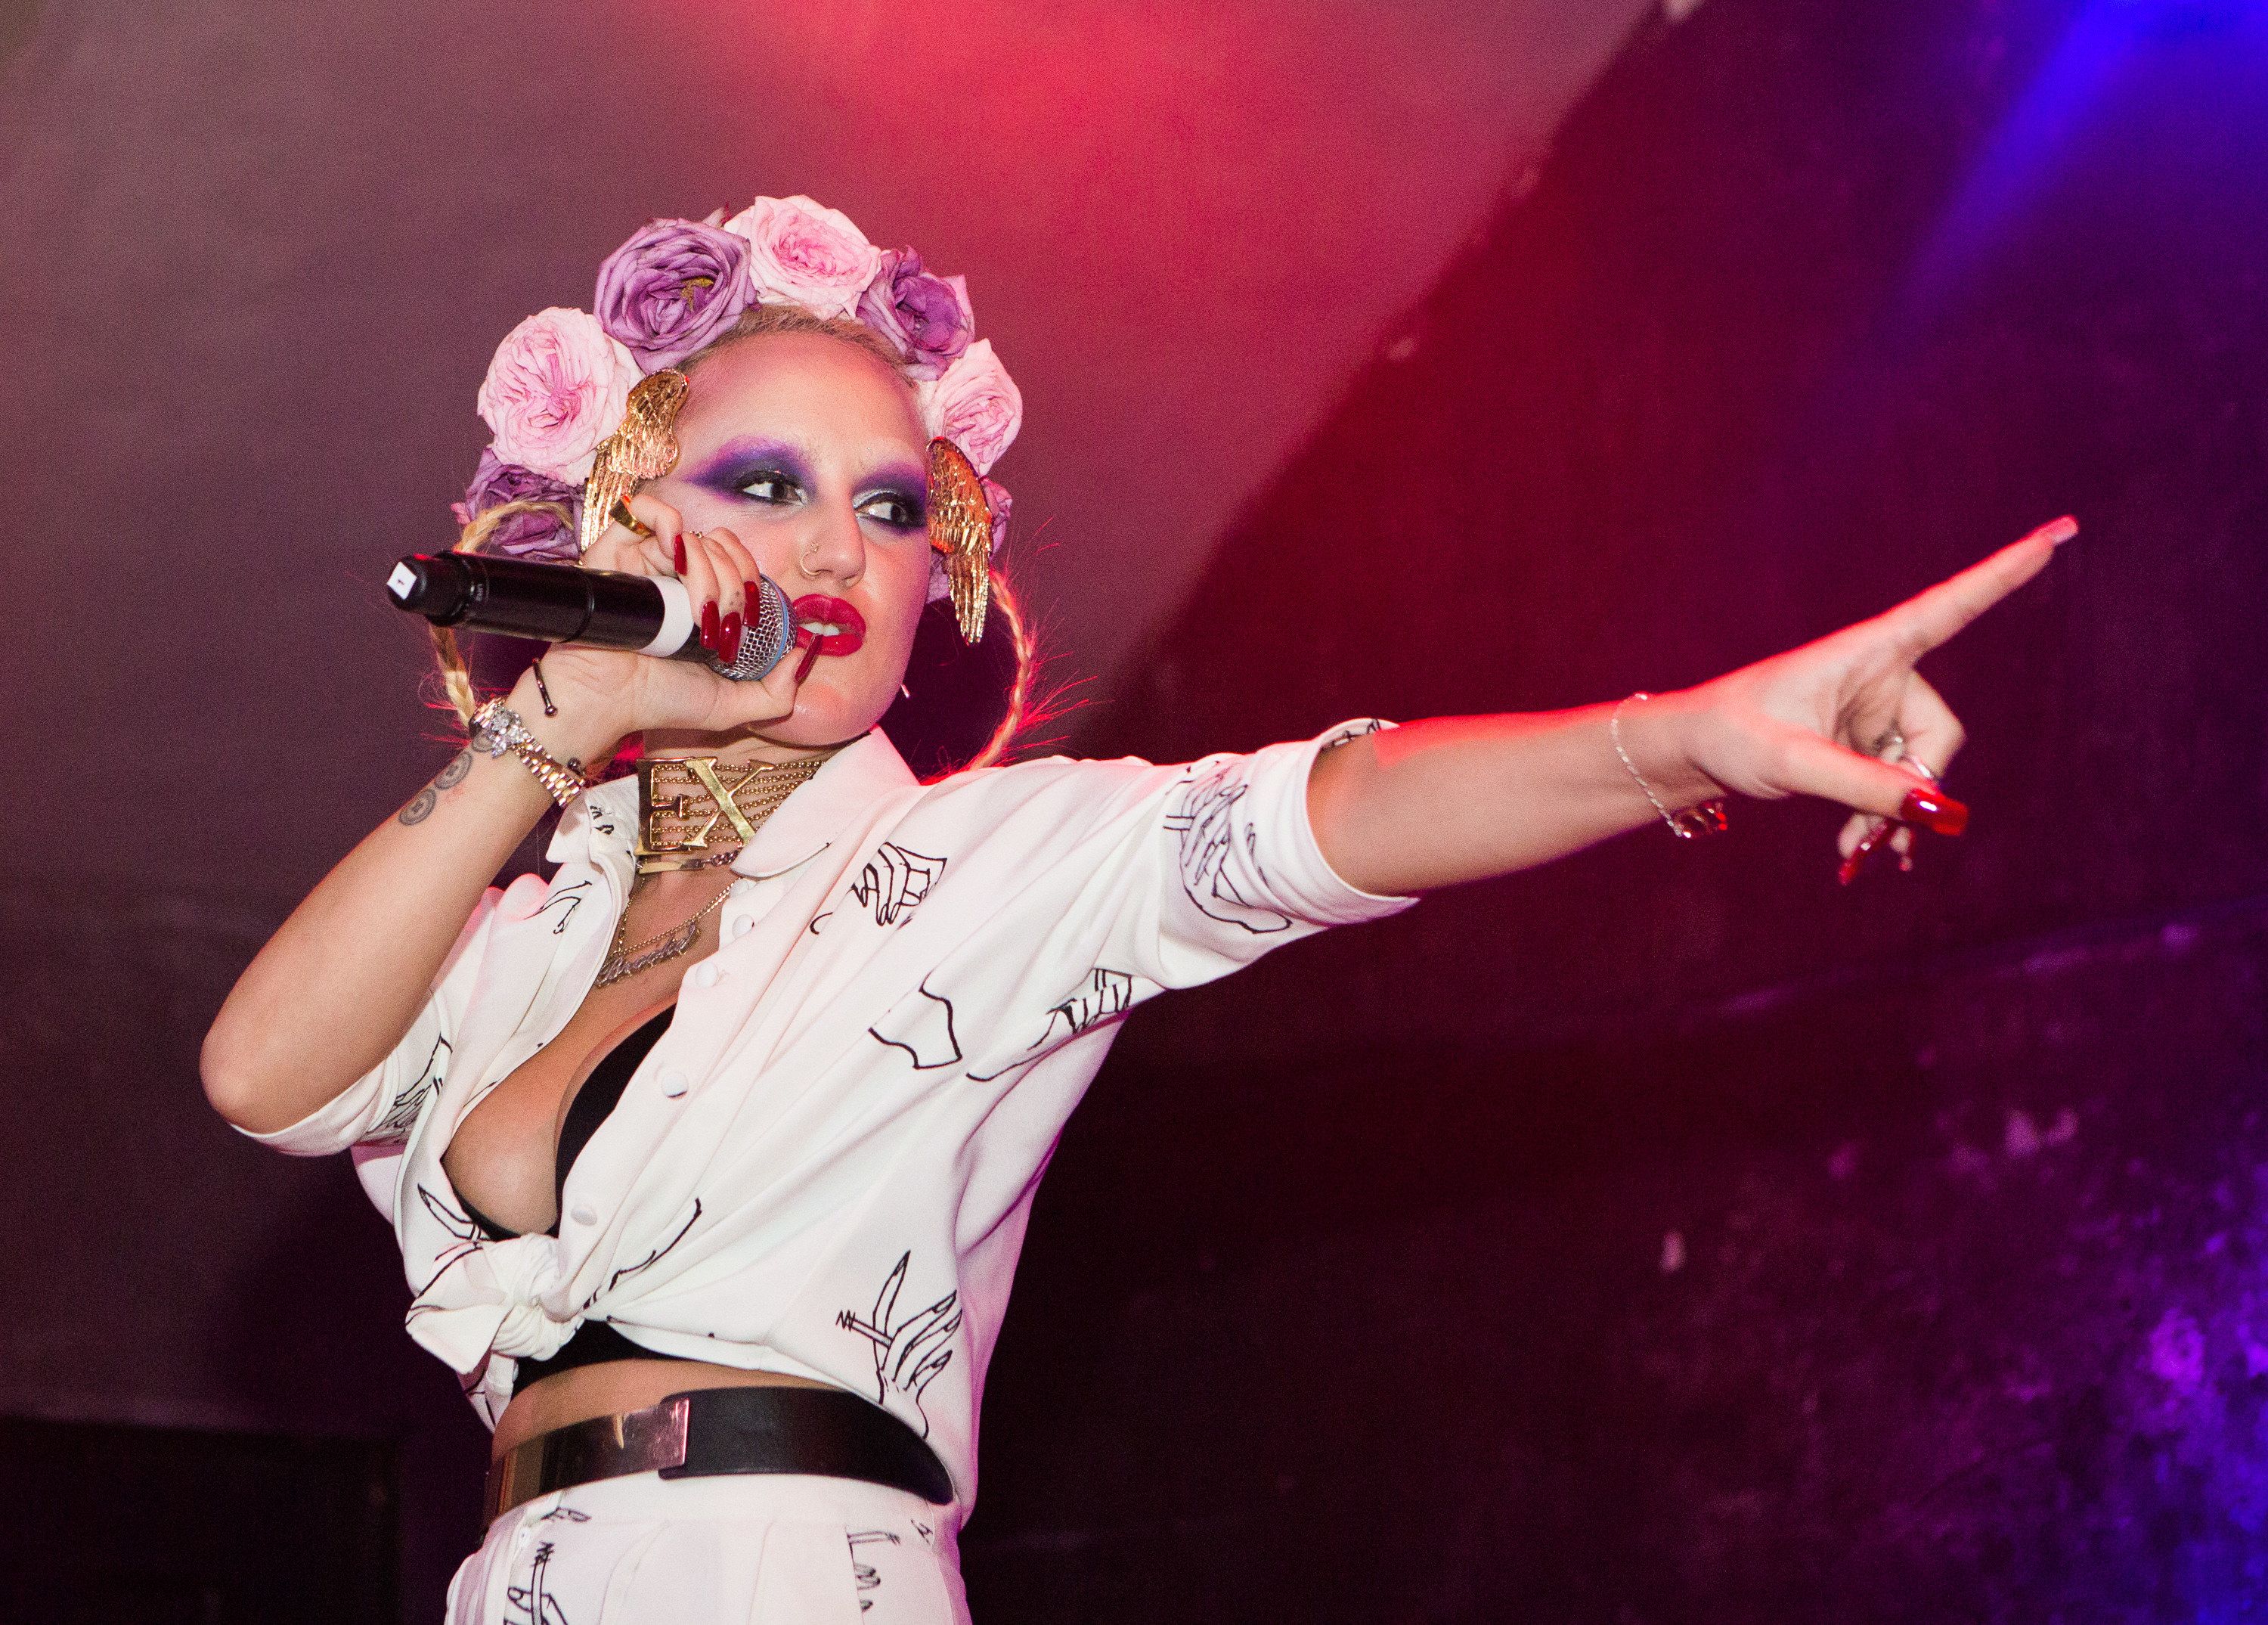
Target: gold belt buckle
x=603 y=1447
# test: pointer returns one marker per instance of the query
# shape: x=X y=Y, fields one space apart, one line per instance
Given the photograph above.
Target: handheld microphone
x=605 y=608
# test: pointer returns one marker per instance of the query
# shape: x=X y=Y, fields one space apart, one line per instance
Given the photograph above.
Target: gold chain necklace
x=673 y=831
x=624 y=963
x=684 y=801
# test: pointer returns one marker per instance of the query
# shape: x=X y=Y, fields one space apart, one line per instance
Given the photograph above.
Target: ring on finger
x=1914 y=765
x=621 y=516
x=1890 y=744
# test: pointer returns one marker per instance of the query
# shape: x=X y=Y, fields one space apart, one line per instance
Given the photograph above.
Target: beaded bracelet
x=497 y=728
x=1707 y=819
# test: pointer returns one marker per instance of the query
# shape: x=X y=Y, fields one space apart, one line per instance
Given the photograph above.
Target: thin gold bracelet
x=1707 y=819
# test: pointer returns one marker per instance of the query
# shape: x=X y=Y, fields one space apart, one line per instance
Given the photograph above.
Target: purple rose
x=538 y=536
x=926 y=317
x=672 y=288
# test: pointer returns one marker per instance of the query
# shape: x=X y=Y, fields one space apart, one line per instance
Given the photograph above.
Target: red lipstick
x=849 y=627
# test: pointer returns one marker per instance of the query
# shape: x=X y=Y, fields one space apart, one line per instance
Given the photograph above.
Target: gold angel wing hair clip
x=961 y=528
x=643 y=448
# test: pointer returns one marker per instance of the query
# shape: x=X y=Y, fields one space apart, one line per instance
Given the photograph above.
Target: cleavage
x=504 y=1158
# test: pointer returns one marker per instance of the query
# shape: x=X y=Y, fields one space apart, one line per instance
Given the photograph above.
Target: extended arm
x=1461 y=798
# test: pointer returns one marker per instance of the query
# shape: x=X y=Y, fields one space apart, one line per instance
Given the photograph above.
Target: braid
x=456 y=677
x=1020 y=692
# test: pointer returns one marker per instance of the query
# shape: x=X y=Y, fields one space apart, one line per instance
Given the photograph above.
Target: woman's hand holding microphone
x=616 y=693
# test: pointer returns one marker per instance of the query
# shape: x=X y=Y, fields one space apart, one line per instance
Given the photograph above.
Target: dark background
x=1667 y=1234
x=1352 y=1294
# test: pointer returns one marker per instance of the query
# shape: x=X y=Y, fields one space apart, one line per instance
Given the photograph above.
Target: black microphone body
x=605 y=608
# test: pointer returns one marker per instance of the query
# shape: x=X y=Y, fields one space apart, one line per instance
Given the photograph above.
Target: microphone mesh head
x=768 y=634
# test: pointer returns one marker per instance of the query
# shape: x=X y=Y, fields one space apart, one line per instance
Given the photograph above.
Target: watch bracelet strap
x=497 y=728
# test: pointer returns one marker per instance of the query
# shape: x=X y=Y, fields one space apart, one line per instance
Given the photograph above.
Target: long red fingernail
x=1933 y=810
x=809 y=655
x=1861 y=853
x=751 y=605
x=729 y=649
x=711 y=627
x=679 y=563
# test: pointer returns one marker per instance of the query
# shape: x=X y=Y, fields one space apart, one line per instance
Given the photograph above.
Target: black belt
x=710 y=1431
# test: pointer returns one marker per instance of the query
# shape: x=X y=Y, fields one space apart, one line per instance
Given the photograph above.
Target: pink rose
x=806 y=253
x=558 y=386
x=996 y=499
x=974 y=405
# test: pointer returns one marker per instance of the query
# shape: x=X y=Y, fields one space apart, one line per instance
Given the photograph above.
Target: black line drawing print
x=468 y=1242
x=816 y=918
x=572 y=895
x=393 y=1127
x=1202 y=820
x=564 y=1515
x=908 y=1356
x=924 y=1031
x=1352 y=731
x=895 y=883
x=866 y=1577
x=534 y=1603
x=654 y=1257
x=1105 y=993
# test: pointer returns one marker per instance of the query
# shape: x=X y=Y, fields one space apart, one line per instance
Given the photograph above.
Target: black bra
x=595 y=1342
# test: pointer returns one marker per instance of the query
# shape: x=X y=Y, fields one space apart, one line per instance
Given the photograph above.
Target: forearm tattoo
x=421 y=805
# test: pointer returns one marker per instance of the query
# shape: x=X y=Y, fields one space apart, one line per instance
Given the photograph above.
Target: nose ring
x=802 y=562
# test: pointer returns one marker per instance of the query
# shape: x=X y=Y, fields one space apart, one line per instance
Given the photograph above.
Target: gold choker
x=697 y=813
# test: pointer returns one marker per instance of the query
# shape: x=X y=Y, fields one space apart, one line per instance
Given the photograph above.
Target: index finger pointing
x=1929 y=618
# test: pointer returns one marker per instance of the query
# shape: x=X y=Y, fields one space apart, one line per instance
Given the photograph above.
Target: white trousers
x=753 y=1549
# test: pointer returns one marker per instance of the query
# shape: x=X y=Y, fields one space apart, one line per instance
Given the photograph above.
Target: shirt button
x=673 y=1082
x=704 y=975
x=743 y=924
x=583 y=1214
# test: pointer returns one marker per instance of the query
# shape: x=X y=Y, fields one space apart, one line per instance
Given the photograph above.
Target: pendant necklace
x=623 y=963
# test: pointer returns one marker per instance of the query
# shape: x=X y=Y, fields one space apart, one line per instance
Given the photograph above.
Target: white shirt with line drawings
x=825 y=1166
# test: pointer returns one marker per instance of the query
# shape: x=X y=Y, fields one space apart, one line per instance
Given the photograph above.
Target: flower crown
x=560 y=382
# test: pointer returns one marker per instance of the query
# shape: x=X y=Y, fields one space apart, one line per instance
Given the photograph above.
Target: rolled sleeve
x=1241 y=869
